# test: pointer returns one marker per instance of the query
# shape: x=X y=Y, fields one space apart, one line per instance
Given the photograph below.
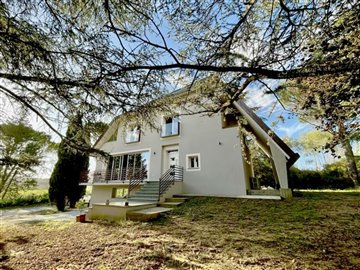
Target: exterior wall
x=172 y=190
x=102 y=193
x=221 y=162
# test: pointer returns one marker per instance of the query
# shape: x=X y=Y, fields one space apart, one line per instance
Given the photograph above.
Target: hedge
x=325 y=179
x=24 y=200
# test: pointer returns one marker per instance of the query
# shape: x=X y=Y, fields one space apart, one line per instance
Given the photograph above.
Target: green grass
x=26 y=198
x=315 y=230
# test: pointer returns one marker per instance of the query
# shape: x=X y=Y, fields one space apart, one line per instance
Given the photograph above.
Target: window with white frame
x=170 y=126
x=193 y=162
x=133 y=135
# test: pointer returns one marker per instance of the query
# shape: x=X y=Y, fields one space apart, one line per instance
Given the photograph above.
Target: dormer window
x=170 y=126
x=133 y=135
x=229 y=120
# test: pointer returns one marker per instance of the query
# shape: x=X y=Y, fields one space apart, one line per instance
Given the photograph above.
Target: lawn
x=319 y=230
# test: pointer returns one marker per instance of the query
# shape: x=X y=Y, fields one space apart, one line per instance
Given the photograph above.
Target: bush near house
x=328 y=178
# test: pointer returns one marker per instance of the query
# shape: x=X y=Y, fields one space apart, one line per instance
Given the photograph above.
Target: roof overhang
x=263 y=133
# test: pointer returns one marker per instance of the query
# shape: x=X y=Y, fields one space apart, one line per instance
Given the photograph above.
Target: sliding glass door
x=128 y=166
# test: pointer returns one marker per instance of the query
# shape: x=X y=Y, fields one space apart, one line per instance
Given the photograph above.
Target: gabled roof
x=257 y=126
x=108 y=131
x=263 y=132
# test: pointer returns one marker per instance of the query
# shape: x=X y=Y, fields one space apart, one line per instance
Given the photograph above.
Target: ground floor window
x=128 y=166
x=119 y=192
x=193 y=162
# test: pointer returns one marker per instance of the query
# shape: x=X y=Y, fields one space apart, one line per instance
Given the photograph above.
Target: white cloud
x=257 y=98
x=294 y=129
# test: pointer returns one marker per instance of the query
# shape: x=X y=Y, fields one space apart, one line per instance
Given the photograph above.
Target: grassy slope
x=315 y=231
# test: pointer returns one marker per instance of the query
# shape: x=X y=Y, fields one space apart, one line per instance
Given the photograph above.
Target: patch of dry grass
x=314 y=231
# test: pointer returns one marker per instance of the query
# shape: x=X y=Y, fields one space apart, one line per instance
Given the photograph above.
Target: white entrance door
x=173 y=158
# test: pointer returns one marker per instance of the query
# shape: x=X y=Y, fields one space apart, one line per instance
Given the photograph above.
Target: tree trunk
x=8 y=181
x=350 y=160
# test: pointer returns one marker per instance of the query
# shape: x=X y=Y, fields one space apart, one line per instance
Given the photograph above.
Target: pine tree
x=64 y=181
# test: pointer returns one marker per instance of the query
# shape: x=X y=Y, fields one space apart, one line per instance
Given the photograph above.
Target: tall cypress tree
x=64 y=181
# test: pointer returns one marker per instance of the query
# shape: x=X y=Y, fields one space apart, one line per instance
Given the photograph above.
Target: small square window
x=229 y=120
x=193 y=162
x=133 y=135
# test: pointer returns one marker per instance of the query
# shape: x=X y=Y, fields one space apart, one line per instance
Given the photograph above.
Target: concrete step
x=148 y=191
x=147 y=214
x=176 y=199
x=156 y=190
x=169 y=204
x=146 y=195
x=143 y=199
x=151 y=184
x=270 y=192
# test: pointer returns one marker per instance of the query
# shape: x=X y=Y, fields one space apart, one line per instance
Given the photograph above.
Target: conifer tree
x=64 y=181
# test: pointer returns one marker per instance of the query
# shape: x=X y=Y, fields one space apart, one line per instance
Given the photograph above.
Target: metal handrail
x=136 y=180
x=102 y=176
x=174 y=173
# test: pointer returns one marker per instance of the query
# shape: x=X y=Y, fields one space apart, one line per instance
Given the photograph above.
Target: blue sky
x=290 y=126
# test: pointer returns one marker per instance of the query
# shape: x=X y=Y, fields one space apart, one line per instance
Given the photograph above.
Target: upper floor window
x=170 y=126
x=133 y=135
x=229 y=120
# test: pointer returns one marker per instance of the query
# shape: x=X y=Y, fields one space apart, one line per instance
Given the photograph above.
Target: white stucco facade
x=208 y=149
x=221 y=168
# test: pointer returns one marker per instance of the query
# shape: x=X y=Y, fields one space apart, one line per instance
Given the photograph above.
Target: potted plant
x=81 y=205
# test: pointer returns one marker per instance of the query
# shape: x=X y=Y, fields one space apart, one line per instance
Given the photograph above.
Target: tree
x=71 y=164
x=110 y=57
x=312 y=144
x=21 y=151
x=331 y=102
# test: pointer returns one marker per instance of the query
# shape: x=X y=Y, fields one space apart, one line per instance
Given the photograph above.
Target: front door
x=173 y=156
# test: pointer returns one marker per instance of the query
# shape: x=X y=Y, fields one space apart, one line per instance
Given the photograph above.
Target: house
x=189 y=155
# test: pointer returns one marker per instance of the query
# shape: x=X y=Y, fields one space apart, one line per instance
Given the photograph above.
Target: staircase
x=152 y=190
x=153 y=213
x=148 y=193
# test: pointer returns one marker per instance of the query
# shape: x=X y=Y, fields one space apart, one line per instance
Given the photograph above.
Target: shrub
x=325 y=179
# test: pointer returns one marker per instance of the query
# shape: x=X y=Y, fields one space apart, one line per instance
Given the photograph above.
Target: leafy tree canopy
x=111 y=57
x=21 y=151
x=331 y=102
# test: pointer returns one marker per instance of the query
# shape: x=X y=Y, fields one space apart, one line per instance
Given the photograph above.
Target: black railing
x=136 y=180
x=175 y=173
x=84 y=177
x=119 y=175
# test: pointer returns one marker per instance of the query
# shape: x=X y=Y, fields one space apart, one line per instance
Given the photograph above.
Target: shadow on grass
x=20 y=240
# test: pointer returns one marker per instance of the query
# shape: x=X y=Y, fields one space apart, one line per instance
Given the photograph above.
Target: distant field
x=42 y=183
x=319 y=230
